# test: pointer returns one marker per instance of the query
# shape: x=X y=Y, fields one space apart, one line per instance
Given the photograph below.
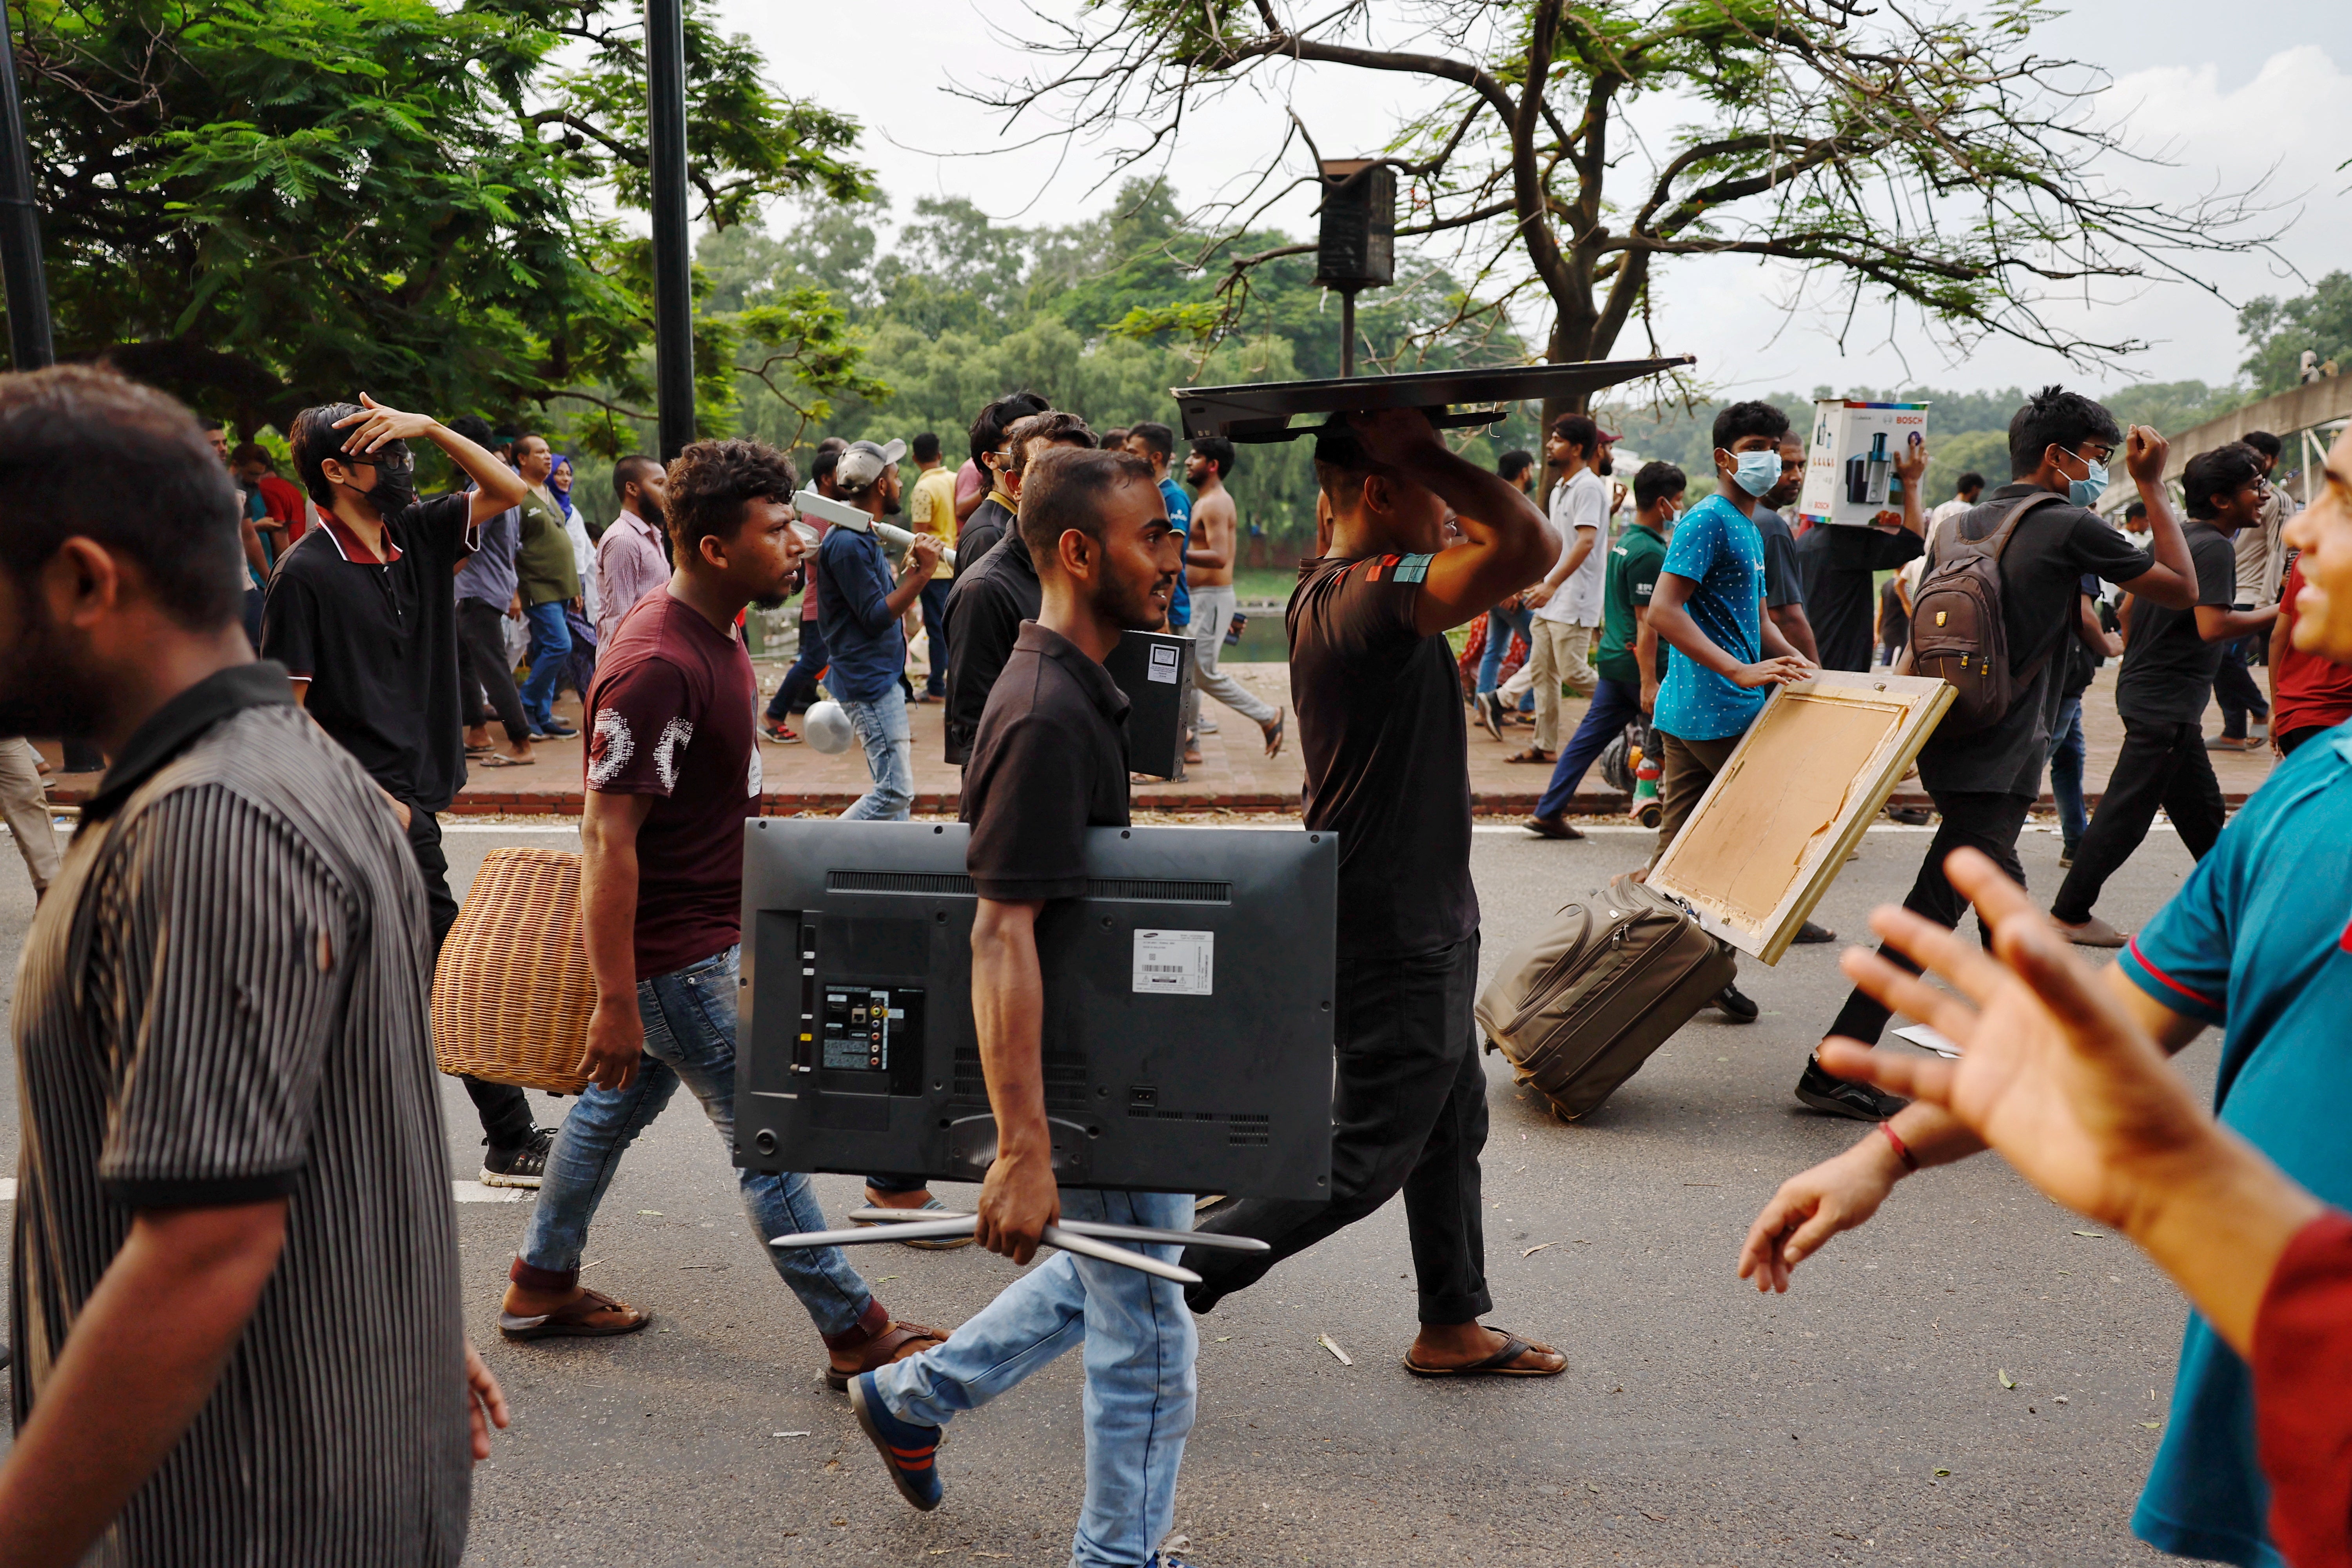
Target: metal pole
x=29 y=346
x=1347 y=332
x=673 y=276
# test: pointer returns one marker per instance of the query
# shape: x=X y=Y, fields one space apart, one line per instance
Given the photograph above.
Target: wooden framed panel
x=1774 y=829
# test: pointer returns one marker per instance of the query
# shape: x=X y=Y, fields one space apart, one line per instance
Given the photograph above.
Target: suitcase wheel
x=1650 y=814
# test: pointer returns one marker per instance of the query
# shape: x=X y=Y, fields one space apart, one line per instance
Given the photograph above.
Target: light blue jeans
x=889 y=741
x=689 y=1018
x=551 y=647
x=1140 y=1345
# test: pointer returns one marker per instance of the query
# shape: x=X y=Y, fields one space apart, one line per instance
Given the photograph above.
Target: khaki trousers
x=25 y=805
x=1689 y=766
x=1557 y=657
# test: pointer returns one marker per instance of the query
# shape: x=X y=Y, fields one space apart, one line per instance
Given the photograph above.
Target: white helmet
x=828 y=728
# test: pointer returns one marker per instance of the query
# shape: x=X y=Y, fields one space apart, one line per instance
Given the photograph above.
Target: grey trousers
x=1212 y=611
x=25 y=805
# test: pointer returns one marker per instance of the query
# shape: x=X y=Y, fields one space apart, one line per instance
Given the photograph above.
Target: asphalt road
x=1860 y=1418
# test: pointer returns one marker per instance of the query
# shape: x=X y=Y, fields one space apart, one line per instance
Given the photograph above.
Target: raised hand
x=377 y=424
x=2144 y=453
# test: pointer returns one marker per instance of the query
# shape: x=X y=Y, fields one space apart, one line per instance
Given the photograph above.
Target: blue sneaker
x=910 y=1453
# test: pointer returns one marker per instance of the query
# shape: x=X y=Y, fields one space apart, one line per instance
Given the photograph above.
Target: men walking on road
x=548 y=575
x=673 y=770
x=630 y=561
x=361 y=616
x=1215 y=537
x=236 y=1294
x=863 y=638
x=486 y=597
x=1566 y=603
x=930 y=508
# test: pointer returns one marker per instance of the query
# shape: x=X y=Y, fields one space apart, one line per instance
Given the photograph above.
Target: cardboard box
x=1850 y=463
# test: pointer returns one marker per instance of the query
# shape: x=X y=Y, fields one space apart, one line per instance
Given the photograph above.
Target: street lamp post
x=673 y=275
x=29 y=346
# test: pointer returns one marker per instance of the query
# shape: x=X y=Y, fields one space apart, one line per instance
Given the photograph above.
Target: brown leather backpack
x=1956 y=631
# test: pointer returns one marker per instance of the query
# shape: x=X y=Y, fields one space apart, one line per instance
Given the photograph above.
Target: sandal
x=1273 y=736
x=941 y=1244
x=1532 y=754
x=500 y=760
x=896 y=1342
x=591 y=1315
x=1496 y=1365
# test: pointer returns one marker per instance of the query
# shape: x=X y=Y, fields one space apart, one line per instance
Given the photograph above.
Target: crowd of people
x=221 y=1022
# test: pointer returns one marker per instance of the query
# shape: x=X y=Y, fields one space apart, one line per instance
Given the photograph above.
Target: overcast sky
x=2230 y=104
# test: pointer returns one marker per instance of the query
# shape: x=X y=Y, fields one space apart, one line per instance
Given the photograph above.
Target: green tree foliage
x=1910 y=157
x=264 y=204
x=2278 y=332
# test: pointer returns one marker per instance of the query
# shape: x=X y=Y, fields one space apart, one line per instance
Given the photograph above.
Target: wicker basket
x=512 y=994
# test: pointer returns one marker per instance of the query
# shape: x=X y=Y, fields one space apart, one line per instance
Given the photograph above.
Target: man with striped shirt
x=235 y=1300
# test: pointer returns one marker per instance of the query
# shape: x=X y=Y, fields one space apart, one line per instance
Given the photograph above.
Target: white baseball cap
x=865 y=462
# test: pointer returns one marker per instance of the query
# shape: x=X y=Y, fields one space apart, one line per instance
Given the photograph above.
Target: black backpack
x=1958 y=634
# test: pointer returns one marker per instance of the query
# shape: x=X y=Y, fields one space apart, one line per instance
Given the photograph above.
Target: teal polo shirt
x=2258 y=942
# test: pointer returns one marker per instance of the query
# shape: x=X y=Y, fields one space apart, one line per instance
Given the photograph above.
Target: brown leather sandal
x=896 y=1342
x=1533 y=755
x=591 y=1315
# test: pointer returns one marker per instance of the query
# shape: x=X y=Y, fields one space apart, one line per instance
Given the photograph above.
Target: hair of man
x=2136 y=509
x=252 y=452
x=1062 y=488
x=1749 y=418
x=1510 y=465
x=834 y=443
x=87 y=453
x=821 y=465
x=989 y=425
x=2055 y=416
x=632 y=469
x=1656 y=482
x=1219 y=452
x=924 y=447
x=710 y=483
x=2211 y=475
x=1113 y=440
x=314 y=440
x=1053 y=427
x=2263 y=441
x=1969 y=484
x=1156 y=436
x=1580 y=432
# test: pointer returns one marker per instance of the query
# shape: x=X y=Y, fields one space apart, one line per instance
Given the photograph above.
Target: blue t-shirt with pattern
x=1722 y=551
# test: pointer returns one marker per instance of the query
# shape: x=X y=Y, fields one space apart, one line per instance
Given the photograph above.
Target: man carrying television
x=1049 y=762
x=1387 y=749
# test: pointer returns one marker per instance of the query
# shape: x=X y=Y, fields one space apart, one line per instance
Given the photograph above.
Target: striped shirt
x=223 y=1000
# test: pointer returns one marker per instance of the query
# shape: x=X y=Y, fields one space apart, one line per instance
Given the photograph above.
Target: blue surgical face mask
x=2086 y=491
x=1757 y=471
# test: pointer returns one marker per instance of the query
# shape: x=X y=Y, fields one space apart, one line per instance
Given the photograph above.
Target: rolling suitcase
x=1579 y=1009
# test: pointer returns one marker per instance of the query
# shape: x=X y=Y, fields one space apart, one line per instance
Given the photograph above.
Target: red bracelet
x=1910 y=1161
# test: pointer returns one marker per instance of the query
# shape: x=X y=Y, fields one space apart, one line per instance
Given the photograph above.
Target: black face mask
x=395 y=477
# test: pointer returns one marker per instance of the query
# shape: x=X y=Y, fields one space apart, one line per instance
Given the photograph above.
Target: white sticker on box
x=1176 y=962
x=1163 y=664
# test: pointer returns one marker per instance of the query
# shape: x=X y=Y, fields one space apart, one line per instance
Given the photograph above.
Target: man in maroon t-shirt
x=673 y=770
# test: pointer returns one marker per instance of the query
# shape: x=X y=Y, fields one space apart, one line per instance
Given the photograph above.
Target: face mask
x=395 y=479
x=1757 y=471
x=2086 y=491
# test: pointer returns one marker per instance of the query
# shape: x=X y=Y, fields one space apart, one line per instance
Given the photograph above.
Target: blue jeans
x=550 y=650
x=1140 y=1345
x=689 y=1018
x=889 y=741
x=2066 y=755
x=798 y=687
x=1615 y=704
x=935 y=609
x=1500 y=625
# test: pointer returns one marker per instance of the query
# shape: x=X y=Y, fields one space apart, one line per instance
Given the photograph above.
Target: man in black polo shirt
x=1984 y=782
x=1050 y=762
x=1381 y=724
x=989 y=599
x=362 y=614
x=2170 y=656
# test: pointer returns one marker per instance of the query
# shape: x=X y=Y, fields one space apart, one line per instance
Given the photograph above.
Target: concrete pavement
x=1861 y=1418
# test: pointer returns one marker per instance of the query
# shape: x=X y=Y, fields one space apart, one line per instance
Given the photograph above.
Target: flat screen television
x=1188 y=1019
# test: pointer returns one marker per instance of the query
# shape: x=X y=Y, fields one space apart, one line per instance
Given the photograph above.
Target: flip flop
x=896 y=1342
x=592 y=1316
x=1273 y=736
x=1532 y=754
x=500 y=760
x=1496 y=1365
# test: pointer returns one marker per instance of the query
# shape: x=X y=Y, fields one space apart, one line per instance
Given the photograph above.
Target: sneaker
x=2065 y=858
x=1841 y=1096
x=1737 y=1004
x=1490 y=713
x=1205 y=727
x=910 y=1453
x=521 y=1167
x=2092 y=932
x=558 y=730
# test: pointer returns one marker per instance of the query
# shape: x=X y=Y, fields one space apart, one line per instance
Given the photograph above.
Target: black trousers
x=1407 y=1111
x=1971 y=820
x=2235 y=689
x=483 y=670
x=797 y=691
x=2160 y=764
x=505 y=1113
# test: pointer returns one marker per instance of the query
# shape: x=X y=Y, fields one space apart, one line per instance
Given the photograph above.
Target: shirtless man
x=1210 y=558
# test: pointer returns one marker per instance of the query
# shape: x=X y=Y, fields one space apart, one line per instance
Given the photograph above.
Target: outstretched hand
x=378 y=424
x=2053 y=1072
